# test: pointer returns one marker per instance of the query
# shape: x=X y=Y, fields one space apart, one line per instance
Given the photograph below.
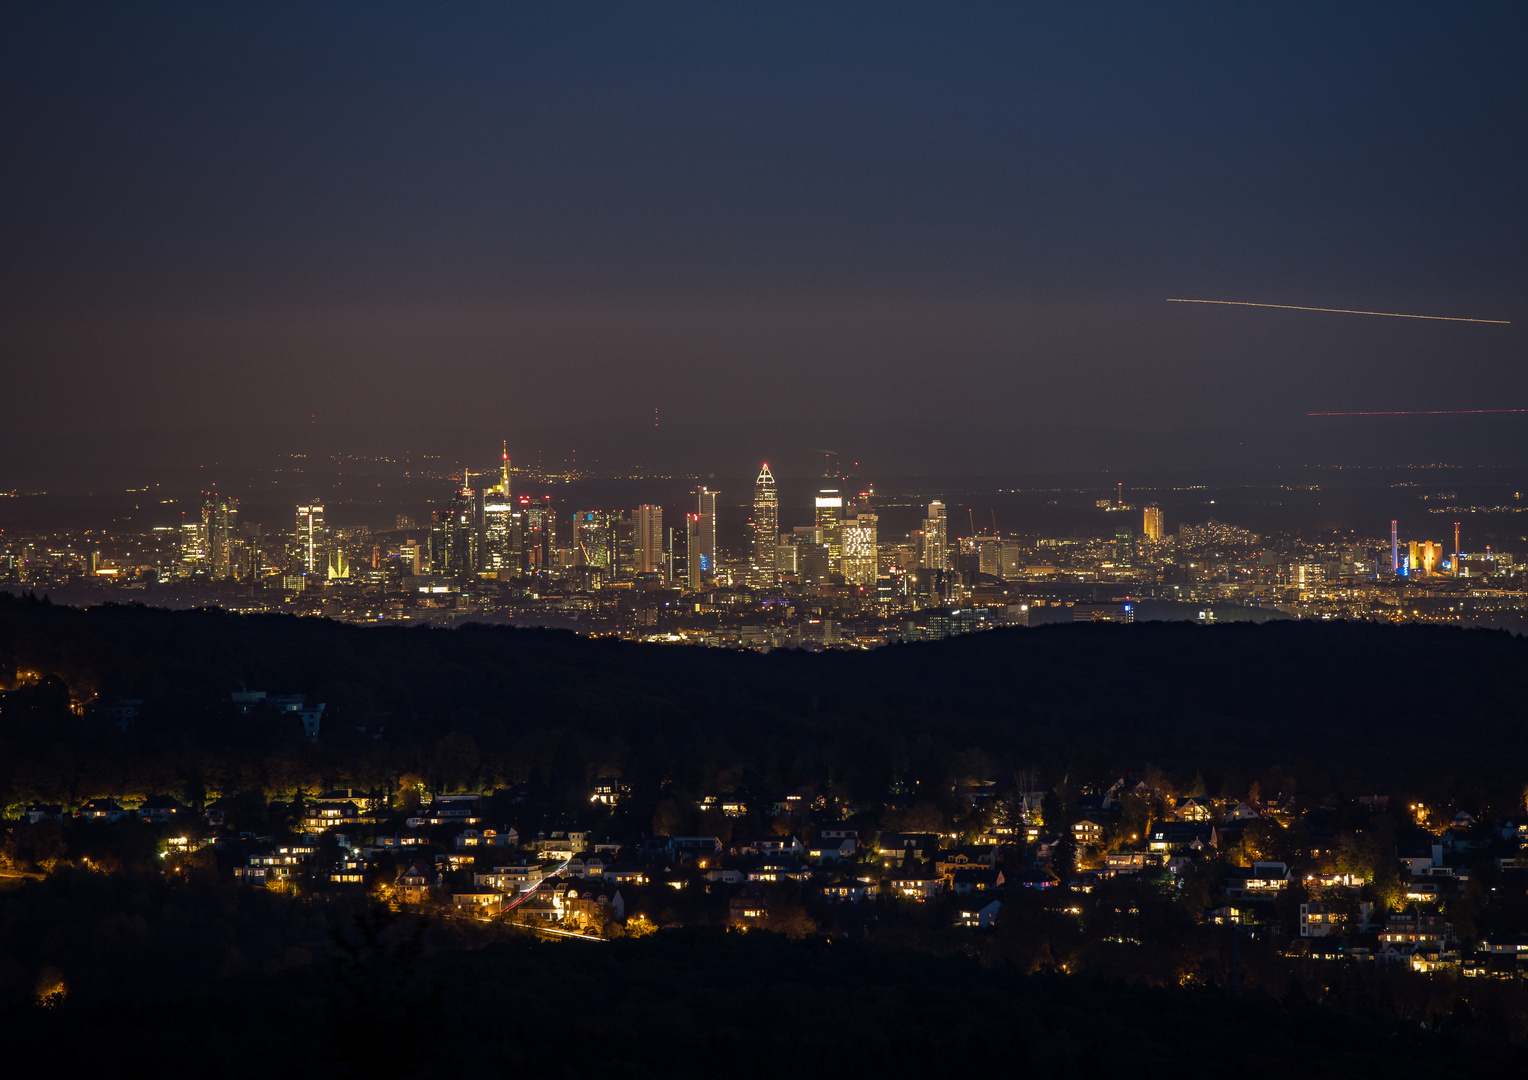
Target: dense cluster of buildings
x=843 y=579
x=1268 y=868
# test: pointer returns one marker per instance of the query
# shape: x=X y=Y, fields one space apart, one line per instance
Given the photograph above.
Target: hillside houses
x=496 y=856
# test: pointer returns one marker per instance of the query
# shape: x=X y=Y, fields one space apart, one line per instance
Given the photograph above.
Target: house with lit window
x=580 y=866
x=453 y=809
x=895 y=847
x=833 y=849
x=159 y=809
x=102 y=810
x=625 y=874
x=562 y=844
x=348 y=872
x=487 y=838
x=779 y=845
x=976 y=881
x=1242 y=812
x=916 y=882
x=849 y=891
x=1419 y=857
x=979 y=917
x=1420 y=929
x=478 y=901
x=747 y=908
x=517 y=877
x=414 y=884
x=777 y=870
x=328 y=815
x=1130 y=862
x=1178 y=836
x=967 y=858
x=1318 y=919
x=1194 y=808
x=1505 y=945
x=608 y=791
x=1088 y=831
x=1261 y=878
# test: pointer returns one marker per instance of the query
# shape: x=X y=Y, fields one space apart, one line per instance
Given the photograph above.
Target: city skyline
x=838 y=561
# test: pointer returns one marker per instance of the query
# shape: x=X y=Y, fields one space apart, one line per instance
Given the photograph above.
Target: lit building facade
x=829 y=521
x=765 y=528
x=859 y=550
x=785 y=555
x=696 y=568
x=501 y=529
x=312 y=536
x=455 y=539
x=500 y=553
x=933 y=553
x=704 y=548
x=539 y=522
x=1151 y=525
x=220 y=520
x=648 y=540
x=194 y=558
x=593 y=538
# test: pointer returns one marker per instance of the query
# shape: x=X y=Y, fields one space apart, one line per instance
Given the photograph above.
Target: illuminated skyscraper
x=934 y=554
x=1151 y=527
x=193 y=547
x=499 y=523
x=829 y=521
x=220 y=516
x=696 y=567
x=540 y=524
x=766 y=529
x=649 y=539
x=593 y=537
x=458 y=533
x=999 y=558
x=785 y=555
x=1124 y=545
x=677 y=557
x=623 y=549
x=498 y=534
x=813 y=566
x=311 y=537
x=705 y=531
x=859 y=550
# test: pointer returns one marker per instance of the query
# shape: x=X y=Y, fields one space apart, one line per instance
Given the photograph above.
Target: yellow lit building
x=1424 y=556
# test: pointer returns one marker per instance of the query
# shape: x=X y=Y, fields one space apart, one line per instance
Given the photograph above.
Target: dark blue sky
x=562 y=216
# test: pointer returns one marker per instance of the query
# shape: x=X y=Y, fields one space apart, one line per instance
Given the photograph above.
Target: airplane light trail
x=1341 y=311
x=1420 y=412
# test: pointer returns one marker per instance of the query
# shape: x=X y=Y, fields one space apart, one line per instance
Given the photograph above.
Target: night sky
x=784 y=227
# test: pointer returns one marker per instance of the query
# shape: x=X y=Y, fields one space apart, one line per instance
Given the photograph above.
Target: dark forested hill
x=1335 y=706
